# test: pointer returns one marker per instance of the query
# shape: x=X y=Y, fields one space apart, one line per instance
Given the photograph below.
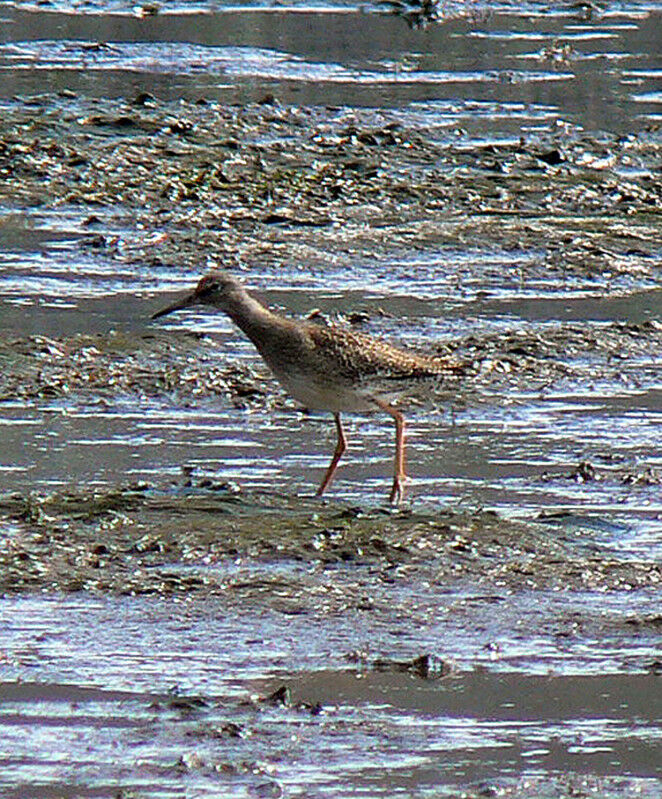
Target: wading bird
x=324 y=367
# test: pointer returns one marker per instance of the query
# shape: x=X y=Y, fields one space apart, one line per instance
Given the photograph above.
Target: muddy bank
x=188 y=365
x=134 y=541
x=106 y=367
x=267 y=184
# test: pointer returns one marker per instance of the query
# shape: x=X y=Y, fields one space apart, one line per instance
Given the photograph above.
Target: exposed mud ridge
x=187 y=365
x=135 y=541
x=269 y=183
x=109 y=366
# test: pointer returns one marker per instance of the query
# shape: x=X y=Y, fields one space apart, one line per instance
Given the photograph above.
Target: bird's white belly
x=317 y=396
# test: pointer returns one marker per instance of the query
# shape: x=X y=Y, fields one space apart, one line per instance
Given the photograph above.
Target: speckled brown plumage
x=357 y=356
x=325 y=367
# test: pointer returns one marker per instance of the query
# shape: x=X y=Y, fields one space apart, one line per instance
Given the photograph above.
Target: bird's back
x=358 y=356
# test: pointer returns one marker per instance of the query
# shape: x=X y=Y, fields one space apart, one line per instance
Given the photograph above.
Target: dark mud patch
x=105 y=367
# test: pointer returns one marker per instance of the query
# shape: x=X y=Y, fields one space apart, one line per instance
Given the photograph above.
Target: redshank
x=324 y=367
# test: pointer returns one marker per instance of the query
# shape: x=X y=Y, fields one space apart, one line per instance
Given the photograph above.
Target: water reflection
x=161 y=698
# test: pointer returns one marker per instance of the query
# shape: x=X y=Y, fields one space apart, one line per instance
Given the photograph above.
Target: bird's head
x=218 y=288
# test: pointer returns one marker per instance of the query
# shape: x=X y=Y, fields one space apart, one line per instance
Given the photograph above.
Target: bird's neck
x=256 y=321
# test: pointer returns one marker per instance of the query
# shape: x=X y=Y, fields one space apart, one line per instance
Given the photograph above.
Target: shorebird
x=324 y=367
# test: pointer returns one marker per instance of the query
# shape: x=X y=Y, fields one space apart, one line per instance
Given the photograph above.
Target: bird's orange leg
x=341 y=446
x=398 y=489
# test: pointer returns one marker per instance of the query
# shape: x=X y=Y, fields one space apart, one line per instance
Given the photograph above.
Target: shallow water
x=162 y=694
x=502 y=75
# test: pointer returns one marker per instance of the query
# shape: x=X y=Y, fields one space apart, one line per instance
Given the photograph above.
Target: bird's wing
x=358 y=356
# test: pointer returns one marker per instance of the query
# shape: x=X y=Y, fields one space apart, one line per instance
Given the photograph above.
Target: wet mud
x=179 y=615
x=261 y=184
x=128 y=541
x=289 y=637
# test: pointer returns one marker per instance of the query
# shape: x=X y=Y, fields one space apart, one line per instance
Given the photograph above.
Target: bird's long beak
x=179 y=305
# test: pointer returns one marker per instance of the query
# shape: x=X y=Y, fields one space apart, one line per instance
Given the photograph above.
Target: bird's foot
x=398 y=489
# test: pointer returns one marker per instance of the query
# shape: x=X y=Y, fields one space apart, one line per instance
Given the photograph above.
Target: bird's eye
x=206 y=290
